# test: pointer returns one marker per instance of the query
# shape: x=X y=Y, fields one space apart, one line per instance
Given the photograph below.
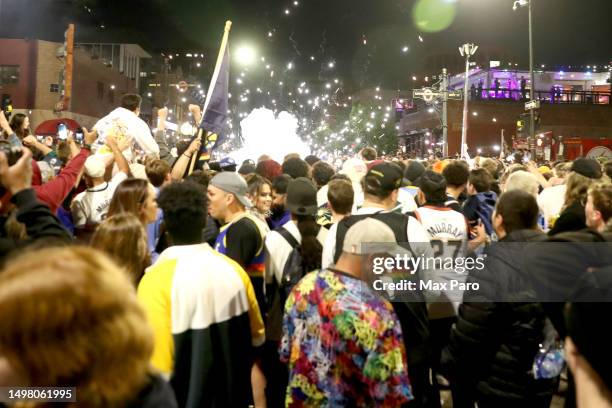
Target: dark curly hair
x=321 y=173
x=311 y=159
x=295 y=167
x=184 y=206
x=280 y=184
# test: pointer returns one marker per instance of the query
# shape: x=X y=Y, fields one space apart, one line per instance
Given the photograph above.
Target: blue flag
x=214 y=116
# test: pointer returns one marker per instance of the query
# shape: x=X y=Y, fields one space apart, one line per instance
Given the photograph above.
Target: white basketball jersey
x=443 y=223
x=448 y=232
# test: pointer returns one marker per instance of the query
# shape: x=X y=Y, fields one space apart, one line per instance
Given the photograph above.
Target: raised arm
x=122 y=163
x=180 y=166
x=56 y=190
x=196 y=112
x=160 y=133
x=30 y=141
x=38 y=219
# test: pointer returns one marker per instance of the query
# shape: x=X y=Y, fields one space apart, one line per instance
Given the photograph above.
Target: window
x=100 y=90
x=9 y=74
x=54 y=88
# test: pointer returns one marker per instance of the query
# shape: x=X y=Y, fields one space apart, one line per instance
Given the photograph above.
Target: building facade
x=574 y=106
x=31 y=73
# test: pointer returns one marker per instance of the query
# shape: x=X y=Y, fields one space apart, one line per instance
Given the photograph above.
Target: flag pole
x=201 y=133
x=194 y=157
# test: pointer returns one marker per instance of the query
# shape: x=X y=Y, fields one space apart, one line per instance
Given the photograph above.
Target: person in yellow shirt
x=202 y=307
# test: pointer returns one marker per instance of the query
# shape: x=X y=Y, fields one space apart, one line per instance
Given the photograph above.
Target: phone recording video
x=78 y=136
x=62 y=131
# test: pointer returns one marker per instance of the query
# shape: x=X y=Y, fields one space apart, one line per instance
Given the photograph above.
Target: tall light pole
x=445 y=112
x=466 y=50
x=517 y=4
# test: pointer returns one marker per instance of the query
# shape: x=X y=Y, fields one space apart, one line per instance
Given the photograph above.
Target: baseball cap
x=433 y=185
x=414 y=170
x=385 y=176
x=227 y=163
x=247 y=168
x=587 y=167
x=301 y=197
x=232 y=183
x=369 y=230
x=95 y=167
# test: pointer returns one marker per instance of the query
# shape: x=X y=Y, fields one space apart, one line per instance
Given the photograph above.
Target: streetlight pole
x=517 y=4
x=466 y=50
x=532 y=90
x=445 y=113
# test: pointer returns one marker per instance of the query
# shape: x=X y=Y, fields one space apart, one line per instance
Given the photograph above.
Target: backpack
x=293 y=271
x=396 y=221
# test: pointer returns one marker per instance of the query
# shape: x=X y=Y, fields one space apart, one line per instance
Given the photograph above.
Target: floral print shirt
x=343 y=345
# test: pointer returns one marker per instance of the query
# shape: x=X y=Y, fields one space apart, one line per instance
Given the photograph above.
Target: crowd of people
x=144 y=282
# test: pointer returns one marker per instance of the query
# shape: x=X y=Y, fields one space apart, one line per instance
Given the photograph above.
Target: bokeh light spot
x=432 y=16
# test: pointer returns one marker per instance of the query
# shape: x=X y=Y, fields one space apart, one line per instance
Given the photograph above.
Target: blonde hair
x=577 y=188
x=70 y=318
x=123 y=238
x=491 y=166
x=561 y=169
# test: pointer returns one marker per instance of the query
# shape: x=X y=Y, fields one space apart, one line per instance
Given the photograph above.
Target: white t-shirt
x=358 y=197
x=278 y=249
x=90 y=206
x=418 y=237
x=406 y=200
x=551 y=201
x=124 y=124
x=322 y=195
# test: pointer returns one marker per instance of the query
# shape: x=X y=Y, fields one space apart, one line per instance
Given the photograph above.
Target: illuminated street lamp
x=245 y=55
x=466 y=50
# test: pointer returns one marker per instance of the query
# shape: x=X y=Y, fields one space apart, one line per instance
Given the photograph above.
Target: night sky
x=567 y=32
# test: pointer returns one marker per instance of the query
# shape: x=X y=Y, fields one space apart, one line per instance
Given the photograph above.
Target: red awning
x=49 y=127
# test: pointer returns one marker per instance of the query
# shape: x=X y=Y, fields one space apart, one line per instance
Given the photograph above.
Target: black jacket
x=557 y=265
x=40 y=223
x=495 y=339
x=571 y=218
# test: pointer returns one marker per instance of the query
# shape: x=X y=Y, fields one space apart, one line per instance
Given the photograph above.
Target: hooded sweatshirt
x=481 y=207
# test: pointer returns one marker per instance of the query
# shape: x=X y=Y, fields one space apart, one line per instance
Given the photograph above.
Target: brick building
x=30 y=72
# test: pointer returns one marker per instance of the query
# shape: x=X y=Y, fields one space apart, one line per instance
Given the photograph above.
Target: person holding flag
x=212 y=128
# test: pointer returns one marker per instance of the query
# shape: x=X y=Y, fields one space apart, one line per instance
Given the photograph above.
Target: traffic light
x=7 y=105
x=522 y=124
